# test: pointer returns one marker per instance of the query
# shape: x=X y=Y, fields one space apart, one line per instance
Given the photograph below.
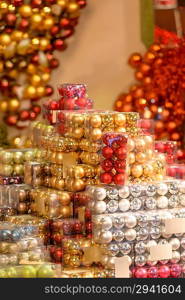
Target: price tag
x=175 y=226
x=122 y=267
x=161 y=252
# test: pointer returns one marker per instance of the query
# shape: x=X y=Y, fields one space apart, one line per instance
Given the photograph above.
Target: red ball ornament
x=77 y=227
x=120 y=166
x=11 y=19
x=81 y=102
x=36 y=3
x=53 y=105
x=64 y=23
x=58 y=255
x=24 y=115
x=121 y=153
x=82 y=3
x=106 y=178
x=153 y=272
x=59 y=45
x=33 y=115
x=176 y=271
x=54 y=30
x=57 y=237
x=107 y=152
x=11 y=120
x=36 y=109
x=48 y=90
x=24 y=24
x=69 y=104
x=88 y=227
x=54 y=63
x=141 y=273
x=164 y=271
x=17 y=2
x=67 y=33
x=107 y=165
x=119 y=179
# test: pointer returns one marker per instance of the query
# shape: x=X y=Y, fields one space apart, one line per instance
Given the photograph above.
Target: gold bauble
x=59 y=184
x=140 y=144
x=28 y=155
x=95 y=121
x=72 y=7
x=46 y=10
x=131 y=145
x=18 y=157
x=11 y=8
x=96 y=134
x=1 y=66
x=59 y=158
x=141 y=157
x=120 y=129
x=40 y=91
x=6 y=170
x=48 y=22
x=13 y=104
x=148 y=170
x=131 y=158
x=53 y=181
x=31 y=69
x=78 y=185
x=4 y=247
x=3 y=7
x=45 y=77
x=30 y=92
x=7 y=157
x=78 y=133
x=64 y=198
x=79 y=172
x=62 y=3
x=149 y=153
x=3 y=106
x=78 y=120
x=44 y=43
x=137 y=170
x=16 y=35
x=25 y=11
x=35 y=43
x=5 y=39
x=120 y=120
x=13 y=74
x=36 y=20
x=18 y=169
x=65 y=211
x=35 y=80
x=149 y=141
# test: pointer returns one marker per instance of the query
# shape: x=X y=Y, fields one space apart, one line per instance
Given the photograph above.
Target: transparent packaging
x=7 y=180
x=176 y=171
x=37 y=270
x=35 y=173
x=23 y=245
x=169 y=148
x=49 y=203
x=100 y=122
x=12 y=161
x=114 y=158
x=105 y=199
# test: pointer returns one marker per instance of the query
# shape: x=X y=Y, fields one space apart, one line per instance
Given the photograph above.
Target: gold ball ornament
x=78 y=133
x=30 y=92
x=120 y=120
x=13 y=104
x=18 y=157
x=59 y=184
x=18 y=169
x=65 y=211
x=6 y=170
x=3 y=106
x=141 y=157
x=48 y=22
x=95 y=121
x=148 y=170
x=40 y=91
x=36 y=20
x=5 y=39
x=137 y=171
x=64 y=198
x=96 y=134
x=25 y=11
x=35 y=80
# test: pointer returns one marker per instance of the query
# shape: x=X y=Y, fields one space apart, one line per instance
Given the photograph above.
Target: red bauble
x=107 y=165
x=119 y=179
x=121 y=153
x=54 y=30
x=36 y=3
x=36 y=109
x=77 y=227
x=59 y=44
x=53 y=105
x=141 y=273
x=49 y=90
x=81 y=102
x=57 y=237
x=54 y=63
x=24 y=24
x=82 y=3
x=67 y=32
x=88 y=215
x=35 y=59
x=61 y=129
x=11 y=120
x=24 y=115
x=88 y=227
x=11 y=19
x=17 y=2
x=176 y=271
x=153 y=272
x=164 y=271
x=64 y=23
x=61 y=103
x=120 y=166
x=107 y=152
x=58 y=255
x=106 y=178
x=69 y=104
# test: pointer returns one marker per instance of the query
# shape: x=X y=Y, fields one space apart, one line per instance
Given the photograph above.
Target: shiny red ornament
x=24 y=115
x=107 y=165
x=120 y=166
x=119 y=179
x=58 y=254
x=36 y=109
x=11 y=19
x=17 y=2
x=121 y=153
x=141 y=273
x=153 y=272
x=106 y=178
x=107 y=152
x=164 y=271
x=53 y=105
x=175 y=271
x=24 y=24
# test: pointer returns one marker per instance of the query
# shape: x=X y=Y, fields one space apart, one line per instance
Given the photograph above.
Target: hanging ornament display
x=30 y=32
x=160 y=90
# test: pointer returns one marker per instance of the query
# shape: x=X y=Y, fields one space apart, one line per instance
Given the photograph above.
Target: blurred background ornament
x=30 y=32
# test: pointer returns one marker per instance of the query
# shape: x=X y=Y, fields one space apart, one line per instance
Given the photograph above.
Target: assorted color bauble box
x=95 y=191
